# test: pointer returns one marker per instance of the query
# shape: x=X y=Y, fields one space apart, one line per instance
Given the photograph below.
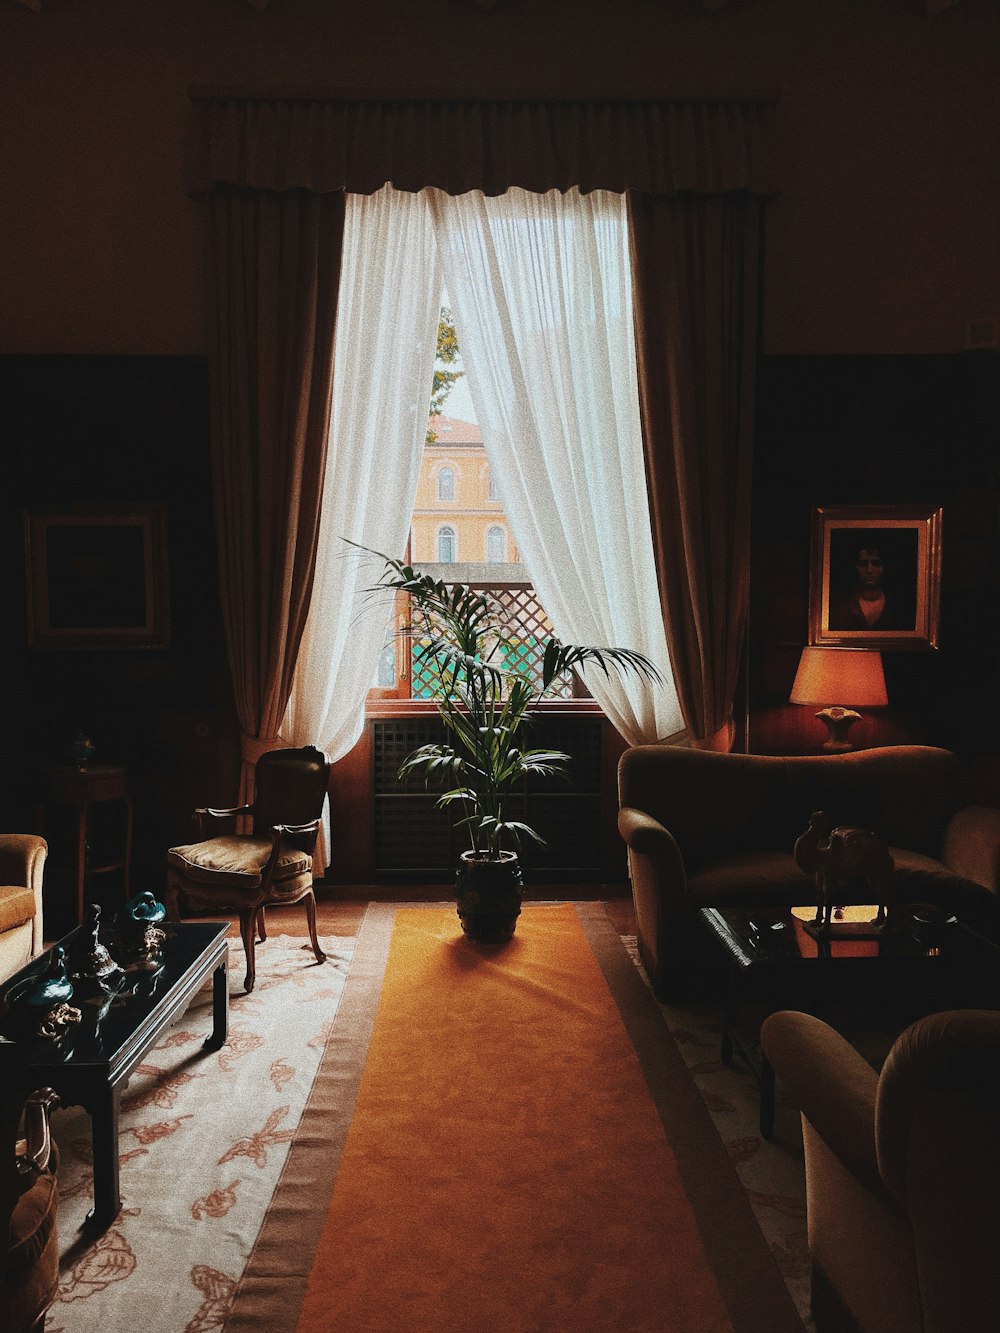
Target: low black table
x=92 y=1064
x=922 y=962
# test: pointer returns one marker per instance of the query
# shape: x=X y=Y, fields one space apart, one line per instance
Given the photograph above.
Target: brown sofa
x=902 y=1172
x=22 y=865
x=712 y=830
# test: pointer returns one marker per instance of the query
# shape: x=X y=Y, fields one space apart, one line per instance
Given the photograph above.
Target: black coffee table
x=92 y=1065
x=888 y=980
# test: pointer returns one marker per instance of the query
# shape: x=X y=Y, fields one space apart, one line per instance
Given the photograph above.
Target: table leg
x=104 y=1131
x=82 y=822
x=220 y=1009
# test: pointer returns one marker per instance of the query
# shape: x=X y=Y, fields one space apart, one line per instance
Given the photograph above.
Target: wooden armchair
x=273 y=864
x=29 y=1200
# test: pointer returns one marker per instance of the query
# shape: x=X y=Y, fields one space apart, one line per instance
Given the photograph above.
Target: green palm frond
x=459 y=634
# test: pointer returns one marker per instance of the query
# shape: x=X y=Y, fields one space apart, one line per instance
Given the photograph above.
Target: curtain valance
x=328 y=143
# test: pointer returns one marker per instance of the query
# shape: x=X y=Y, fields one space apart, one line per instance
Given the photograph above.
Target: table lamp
x=852 y=675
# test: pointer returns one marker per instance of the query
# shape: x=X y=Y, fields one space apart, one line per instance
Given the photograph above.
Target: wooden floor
x=340 y=909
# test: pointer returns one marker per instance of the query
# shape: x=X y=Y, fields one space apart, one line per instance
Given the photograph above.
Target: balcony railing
x=526 y=625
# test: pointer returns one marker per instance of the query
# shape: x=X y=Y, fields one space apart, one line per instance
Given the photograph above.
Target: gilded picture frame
x=97 y=576
x=875 y=576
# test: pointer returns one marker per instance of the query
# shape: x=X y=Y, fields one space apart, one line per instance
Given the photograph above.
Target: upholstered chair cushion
x=236 y=862
x=17 y=906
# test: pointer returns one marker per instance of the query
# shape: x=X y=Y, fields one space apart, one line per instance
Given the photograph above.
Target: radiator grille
x=411 y=835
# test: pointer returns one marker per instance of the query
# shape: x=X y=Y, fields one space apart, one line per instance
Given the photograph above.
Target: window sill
x=381 y=708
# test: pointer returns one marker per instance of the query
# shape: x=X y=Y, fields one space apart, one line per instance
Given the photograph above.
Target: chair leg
x=171 y=901
x=248 y=929
x=310 y=902
x=261 y=927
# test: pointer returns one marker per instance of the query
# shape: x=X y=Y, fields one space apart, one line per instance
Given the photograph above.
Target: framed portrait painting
x=97 y=576
x=875 y=576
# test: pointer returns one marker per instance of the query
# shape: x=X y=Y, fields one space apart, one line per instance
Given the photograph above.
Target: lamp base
x=838 y=722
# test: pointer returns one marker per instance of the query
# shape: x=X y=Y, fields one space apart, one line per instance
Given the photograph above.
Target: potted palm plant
x=463 y=640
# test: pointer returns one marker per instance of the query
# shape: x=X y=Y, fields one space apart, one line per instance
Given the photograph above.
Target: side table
x=880 y=985
x=82 y=788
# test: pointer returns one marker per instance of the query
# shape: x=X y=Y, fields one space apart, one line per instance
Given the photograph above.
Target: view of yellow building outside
x=457 y=515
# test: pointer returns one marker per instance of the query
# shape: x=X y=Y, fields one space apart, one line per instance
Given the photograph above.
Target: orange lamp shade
x=852 y=677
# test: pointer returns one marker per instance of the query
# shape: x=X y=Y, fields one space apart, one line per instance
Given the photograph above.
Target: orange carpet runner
x=505 y=1164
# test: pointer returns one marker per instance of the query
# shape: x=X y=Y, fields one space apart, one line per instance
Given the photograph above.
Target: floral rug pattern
x=203 y=1139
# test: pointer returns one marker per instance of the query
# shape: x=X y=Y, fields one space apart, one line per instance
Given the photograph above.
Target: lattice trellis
x=527 y=628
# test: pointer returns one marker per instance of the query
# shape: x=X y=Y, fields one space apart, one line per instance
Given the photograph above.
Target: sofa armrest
x=831 y=1084
x=653 y=848
x=971 y=845
x=22 y=862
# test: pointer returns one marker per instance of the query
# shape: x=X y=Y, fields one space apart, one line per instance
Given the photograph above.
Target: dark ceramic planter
x=488 y=894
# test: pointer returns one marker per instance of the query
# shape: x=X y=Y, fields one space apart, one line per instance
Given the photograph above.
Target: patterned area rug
x=771 y=1172
x=203 y=1140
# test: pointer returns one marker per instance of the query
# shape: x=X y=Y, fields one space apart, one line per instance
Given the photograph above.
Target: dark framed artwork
x=875 y=576
x=97 y=576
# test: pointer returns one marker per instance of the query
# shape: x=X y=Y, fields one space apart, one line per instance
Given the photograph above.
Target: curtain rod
x=205 y=94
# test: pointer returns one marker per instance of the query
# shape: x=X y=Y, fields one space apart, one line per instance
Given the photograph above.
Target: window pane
x=447 y=549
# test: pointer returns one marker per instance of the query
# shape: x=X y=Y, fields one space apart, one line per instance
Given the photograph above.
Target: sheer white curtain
x=541 y=296
x=386 y=338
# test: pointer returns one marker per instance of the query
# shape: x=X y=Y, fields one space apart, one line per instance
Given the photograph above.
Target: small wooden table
x=92 y=1065
x=889 y=982
x=83 y=788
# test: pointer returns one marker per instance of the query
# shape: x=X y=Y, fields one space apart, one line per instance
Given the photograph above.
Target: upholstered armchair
x=271 y=865
x=718 y=830
x=902 y=1172
x=22 y=866
x=29 y=1200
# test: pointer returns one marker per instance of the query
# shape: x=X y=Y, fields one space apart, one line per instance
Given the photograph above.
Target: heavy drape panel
x=695 y=263
x=275 y=272
x=386 y=340
x=336 y=142
x=288 y=159
x=541 y=296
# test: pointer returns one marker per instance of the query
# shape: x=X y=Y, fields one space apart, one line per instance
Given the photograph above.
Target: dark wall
x=831 y=430
x=875 y=430
x=127 y=429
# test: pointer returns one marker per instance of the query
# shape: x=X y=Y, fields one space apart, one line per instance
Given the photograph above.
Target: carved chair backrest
x=289 y=787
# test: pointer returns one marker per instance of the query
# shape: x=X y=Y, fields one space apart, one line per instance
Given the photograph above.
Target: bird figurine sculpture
x=39 y=1005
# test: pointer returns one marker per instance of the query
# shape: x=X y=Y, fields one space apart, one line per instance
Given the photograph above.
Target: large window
x=451 y=523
